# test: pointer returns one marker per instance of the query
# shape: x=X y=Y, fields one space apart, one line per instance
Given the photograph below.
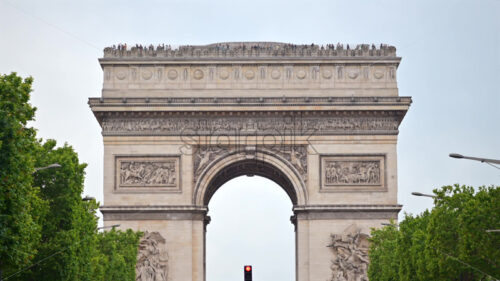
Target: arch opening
x=250 y=167
x=250 y=225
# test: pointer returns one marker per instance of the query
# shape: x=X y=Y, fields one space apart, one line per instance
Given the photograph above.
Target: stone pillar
x=181 y=227
x=316 y=225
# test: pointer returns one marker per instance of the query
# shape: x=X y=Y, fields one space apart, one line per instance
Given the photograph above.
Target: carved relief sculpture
x=351 y=255
x=152 y=258
x=244 y=126
x=206 y=154
x=147 y=172
x=296 y=155
x=353 y=172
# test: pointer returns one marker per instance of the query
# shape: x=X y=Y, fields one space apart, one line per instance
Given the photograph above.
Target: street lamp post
x=482 y=160
x=422 y=194
x=88 y=198
x=109 y=226
x=51 y=166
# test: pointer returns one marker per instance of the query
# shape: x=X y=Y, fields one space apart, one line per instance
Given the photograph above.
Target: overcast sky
x=450 y=66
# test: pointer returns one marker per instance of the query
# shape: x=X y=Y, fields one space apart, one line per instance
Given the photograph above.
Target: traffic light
x=247 y=271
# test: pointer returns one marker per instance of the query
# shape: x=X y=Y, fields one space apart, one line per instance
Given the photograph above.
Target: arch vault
x=320 y=121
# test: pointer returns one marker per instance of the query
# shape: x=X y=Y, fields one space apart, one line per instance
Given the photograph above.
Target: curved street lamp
x=422 y=194
x=482 y=160
x=51 y=166
x=109 y=226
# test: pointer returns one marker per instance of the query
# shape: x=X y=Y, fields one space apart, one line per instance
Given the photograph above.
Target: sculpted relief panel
x=353 y=173
x=152 y=258
x=350 y=251
x=143 y=173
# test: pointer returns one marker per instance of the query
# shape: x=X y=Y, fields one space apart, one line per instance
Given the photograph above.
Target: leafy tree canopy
x=449 y=242
x=46 y=231
x=20 y=206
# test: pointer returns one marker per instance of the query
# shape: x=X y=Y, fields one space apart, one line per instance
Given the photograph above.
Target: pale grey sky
x=450 y=66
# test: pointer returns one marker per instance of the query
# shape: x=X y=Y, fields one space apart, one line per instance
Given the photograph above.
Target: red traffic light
x=247 y=273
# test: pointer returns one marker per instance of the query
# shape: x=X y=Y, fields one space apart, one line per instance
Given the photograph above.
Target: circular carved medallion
x=249 y=74
x=198 y=74
x=301 y=74
x=378 y=74
x=147 y=74
x=275 y=74
x=353 y=74
x=121 y=74
x=172 y=74
x=327 y=74
x=224 y=74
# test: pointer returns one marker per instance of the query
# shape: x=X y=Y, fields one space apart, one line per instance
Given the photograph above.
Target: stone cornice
x=347 y=208
x=251 y=61
x=342 y=212
x=152 y=208
x=247 y=101
x=192 y=212
x=153 y=212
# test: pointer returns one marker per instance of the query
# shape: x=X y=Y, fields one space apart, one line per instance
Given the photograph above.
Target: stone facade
x=320 y=121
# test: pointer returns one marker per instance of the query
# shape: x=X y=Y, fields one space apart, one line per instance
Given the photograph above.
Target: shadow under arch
x=261 y=163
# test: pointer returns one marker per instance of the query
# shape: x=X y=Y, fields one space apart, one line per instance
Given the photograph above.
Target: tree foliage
x=46 y=231
x=117 y=255
x=20 y=206
x=70 y=224
x=383 y=261
x=450 y=242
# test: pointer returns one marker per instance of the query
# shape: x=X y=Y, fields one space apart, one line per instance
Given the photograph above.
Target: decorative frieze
x=147 y=173
x=281 y=125
x=260 y=76
x=352 y=173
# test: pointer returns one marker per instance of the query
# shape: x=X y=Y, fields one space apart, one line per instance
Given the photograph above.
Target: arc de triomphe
x=320 y=121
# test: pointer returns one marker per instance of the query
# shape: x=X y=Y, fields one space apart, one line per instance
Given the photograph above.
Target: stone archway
x=229 y=163
x=320 y=121
x=226 y=163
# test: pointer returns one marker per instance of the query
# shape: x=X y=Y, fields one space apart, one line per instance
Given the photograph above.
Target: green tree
x=117 y=255
x=69 y=227
x=46 y=231
x=384 y=262
x=449 y=242
x=458 y=245
x=411 y=247
x=20 y=206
